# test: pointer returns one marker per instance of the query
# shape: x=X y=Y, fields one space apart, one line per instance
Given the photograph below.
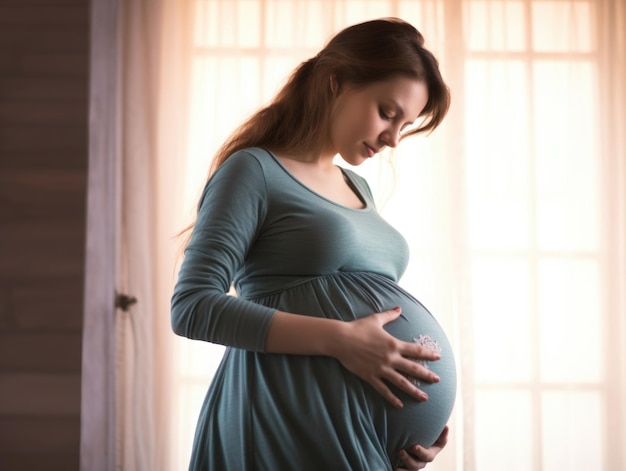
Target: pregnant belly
x=422 y=422
x=417 y=422
x=349 y=296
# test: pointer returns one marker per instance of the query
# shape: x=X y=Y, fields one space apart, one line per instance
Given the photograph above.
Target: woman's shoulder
x=247 y=161
x=243 y=170
x=250 y=160
x=257 y=154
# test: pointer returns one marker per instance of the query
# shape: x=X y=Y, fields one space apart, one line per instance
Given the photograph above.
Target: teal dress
x=288 y=248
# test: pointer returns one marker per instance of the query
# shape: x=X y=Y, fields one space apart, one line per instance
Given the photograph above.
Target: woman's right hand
x=417 y=457
x=379 y=358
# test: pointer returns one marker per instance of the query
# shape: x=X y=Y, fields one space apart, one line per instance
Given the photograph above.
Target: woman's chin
x=354 y=160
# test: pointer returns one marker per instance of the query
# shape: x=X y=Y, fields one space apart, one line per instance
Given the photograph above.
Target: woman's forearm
x=303 y=335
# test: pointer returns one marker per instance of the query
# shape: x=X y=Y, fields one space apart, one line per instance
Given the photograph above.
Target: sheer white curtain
x=514 y=210
x=154 y=63
x=138 y=116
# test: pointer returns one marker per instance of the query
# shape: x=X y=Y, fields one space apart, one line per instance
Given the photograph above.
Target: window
x=505 y=208
x=535 y=235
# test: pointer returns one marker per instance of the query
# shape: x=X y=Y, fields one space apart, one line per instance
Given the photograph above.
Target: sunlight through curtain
x=514 y=208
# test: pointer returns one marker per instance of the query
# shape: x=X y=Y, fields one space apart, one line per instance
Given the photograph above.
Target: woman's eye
x=385 y=114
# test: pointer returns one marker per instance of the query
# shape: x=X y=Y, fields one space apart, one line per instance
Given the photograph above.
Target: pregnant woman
x=330 y=365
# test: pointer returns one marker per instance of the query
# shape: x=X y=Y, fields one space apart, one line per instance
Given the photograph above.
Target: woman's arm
x=231 y=212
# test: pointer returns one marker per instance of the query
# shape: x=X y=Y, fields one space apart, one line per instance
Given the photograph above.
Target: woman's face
x=366 y=120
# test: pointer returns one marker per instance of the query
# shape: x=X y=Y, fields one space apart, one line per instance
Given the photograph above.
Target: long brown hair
x=297 y=119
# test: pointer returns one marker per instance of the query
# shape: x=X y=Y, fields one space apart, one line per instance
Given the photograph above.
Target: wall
x=44 y=47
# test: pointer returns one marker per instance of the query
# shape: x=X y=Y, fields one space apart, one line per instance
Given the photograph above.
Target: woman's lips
x=371 y=152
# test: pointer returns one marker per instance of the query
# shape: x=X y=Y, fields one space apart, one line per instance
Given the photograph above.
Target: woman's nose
x=390 y=137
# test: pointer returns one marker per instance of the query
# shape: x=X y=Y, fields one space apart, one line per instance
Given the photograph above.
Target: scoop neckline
x=346 y=174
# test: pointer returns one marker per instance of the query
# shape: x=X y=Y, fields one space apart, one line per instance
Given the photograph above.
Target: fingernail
x=436 y=379
x=424 y=396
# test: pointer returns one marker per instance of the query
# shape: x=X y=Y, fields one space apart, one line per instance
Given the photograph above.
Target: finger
x=428 y=454
x=413 y=350
x=410 y=462
x=442 y=441
x=404 y=384
x=416 y=370
x=390 y=315
x=386 y=393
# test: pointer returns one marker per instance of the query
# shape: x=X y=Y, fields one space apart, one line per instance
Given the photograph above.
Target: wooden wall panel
x=22 y=352
x=39 y=89
x=44 y=64
x=38 y=436
x=42 y=113
x=34 y=396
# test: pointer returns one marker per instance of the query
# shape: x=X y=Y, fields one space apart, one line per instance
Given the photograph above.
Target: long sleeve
x=230 y=215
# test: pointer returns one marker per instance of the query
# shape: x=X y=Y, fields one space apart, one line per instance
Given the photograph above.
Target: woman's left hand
x=417 y=457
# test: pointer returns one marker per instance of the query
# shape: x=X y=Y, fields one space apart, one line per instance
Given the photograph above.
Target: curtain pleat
x=154 y=73
x=136 y=347
x=612 y=28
